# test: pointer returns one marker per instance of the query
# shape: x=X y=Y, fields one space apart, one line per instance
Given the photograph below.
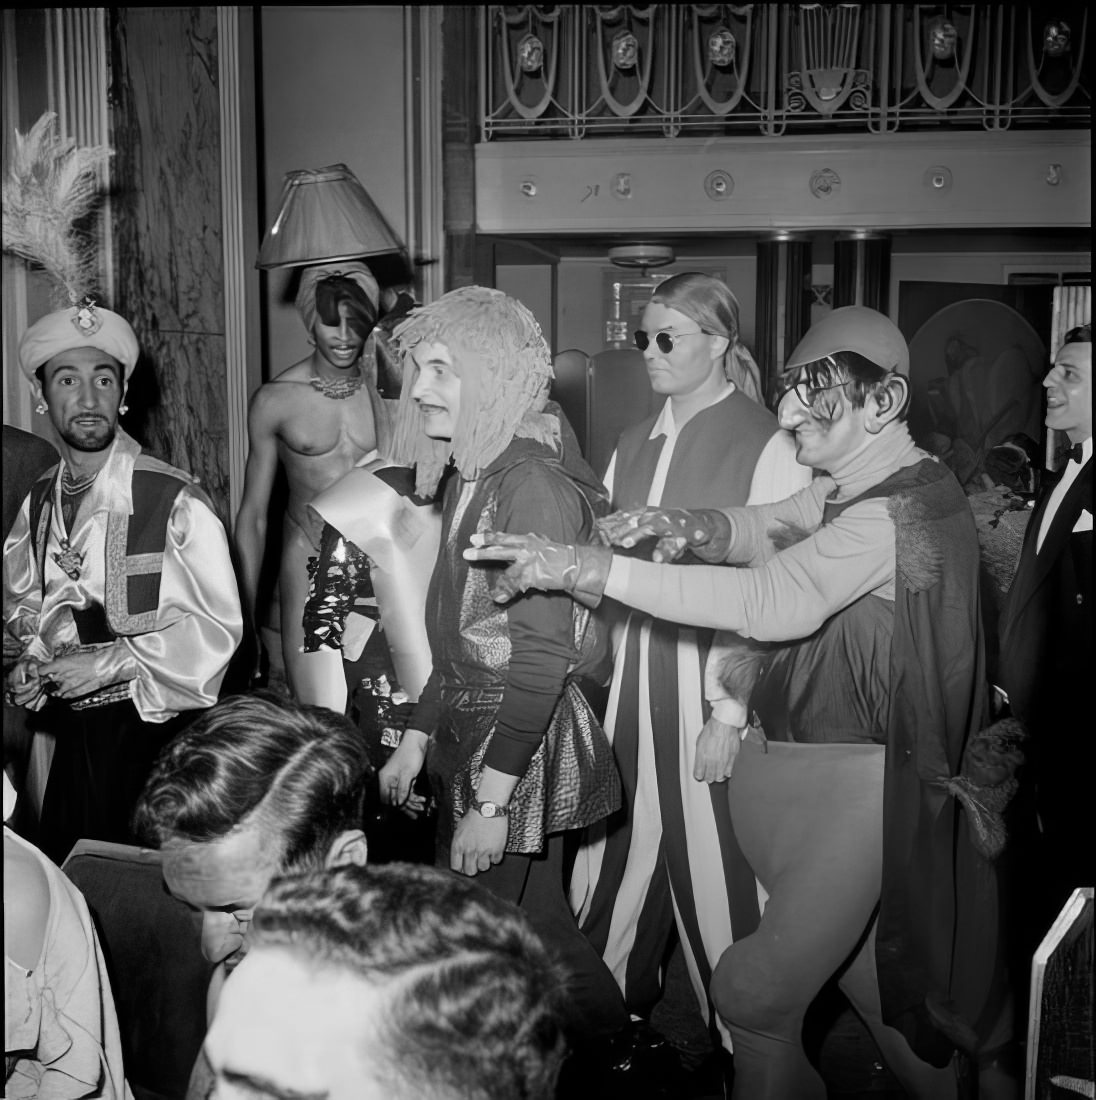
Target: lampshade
x=325 y=215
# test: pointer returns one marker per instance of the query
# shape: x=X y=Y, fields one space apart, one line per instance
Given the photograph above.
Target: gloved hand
x=705 y=531
x=540 y=563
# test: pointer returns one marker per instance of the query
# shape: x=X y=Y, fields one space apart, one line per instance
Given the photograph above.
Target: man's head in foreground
x=396 y=982
x=258 y=786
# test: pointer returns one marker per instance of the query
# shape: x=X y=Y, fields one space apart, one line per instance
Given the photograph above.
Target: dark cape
x=937 y=941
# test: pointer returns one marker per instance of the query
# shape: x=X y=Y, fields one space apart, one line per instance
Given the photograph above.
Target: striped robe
x=669 y=855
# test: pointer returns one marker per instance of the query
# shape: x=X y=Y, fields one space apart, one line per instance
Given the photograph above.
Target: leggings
x=809 y=819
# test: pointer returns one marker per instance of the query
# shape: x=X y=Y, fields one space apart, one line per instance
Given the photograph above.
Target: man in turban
x=121 y=611
x=317 y=419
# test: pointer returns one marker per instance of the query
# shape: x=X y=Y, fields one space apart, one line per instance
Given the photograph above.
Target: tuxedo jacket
x=1046 y=659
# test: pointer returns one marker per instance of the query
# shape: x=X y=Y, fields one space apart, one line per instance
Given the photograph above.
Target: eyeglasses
x=664 y=340
x=806 y=393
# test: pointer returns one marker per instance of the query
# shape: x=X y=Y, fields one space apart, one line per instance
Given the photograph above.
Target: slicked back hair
x=303 y=768
x=1082 y=334
x=471 y=1000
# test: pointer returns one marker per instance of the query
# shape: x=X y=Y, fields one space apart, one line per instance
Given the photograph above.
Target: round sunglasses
x=664 y=341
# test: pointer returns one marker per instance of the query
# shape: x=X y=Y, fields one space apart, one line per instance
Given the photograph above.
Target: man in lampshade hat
x=121 y=610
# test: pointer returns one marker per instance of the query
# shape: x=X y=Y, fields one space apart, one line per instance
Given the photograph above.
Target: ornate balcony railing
x=583 y=70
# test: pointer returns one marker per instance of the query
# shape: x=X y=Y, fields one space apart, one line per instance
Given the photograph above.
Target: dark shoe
x=637 y=1063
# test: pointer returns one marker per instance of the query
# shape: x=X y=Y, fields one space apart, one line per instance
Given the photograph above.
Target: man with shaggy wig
x=399 y=981
x=514 y=754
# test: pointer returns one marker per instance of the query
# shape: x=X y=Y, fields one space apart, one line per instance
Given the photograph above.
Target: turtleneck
x=880 y=456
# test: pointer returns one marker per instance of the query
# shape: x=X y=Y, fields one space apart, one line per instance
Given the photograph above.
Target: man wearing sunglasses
x=866 y=586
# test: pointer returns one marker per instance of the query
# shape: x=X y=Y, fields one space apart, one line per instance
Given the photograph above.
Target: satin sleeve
x=22 y=592
x=181 y=663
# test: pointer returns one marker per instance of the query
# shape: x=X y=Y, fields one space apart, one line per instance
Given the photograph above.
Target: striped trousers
x=669 y=856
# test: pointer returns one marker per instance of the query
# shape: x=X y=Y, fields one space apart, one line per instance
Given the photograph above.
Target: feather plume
x=52 y=184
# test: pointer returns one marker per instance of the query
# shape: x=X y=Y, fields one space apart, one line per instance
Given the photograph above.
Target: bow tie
x=1070 y=453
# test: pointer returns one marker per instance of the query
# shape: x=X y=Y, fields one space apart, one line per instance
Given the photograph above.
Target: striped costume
x=657 y=861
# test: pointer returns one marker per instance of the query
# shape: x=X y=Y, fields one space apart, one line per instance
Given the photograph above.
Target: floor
x=845 y=1053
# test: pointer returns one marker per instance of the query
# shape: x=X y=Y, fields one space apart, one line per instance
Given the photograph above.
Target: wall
x=598 y=185
x=168 y=235
x=332 y=92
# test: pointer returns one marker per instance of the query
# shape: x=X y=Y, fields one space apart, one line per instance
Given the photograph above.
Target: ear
x=886 y=403
x=349 y=848
x=719 y=345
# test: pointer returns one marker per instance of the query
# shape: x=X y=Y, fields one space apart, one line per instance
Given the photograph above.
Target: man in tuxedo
x=1046 y=659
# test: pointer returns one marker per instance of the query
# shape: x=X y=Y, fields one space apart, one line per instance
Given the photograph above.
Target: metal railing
x=579 y=71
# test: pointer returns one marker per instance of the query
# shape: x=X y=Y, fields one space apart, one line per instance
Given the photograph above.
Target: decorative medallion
x=718 y=185
x=625 y=50
x=721 y=48
x=529 y=188
x=944 y=38
x=1054 y=174
x=938 y=178
x=69 y=559
x=1056 y=38
x=824 y=183
x=86 y=319
x=622 y=185
x=530 y=54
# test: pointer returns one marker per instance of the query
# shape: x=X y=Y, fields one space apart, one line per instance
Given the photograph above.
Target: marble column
x=169 y=262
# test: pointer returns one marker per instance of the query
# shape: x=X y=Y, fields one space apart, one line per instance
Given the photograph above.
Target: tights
x=809 y=819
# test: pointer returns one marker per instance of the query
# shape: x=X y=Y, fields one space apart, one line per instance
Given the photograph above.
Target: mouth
x=433 y=410
x=89 y=421
x=1055 y=402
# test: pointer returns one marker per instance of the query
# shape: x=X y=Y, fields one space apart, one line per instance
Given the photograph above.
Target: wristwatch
x=489 y=809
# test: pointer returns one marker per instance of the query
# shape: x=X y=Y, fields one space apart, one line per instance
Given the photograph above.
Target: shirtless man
x=318 y=418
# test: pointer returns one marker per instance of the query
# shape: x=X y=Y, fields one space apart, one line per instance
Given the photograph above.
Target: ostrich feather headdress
x=51 y=185
x=50 y=188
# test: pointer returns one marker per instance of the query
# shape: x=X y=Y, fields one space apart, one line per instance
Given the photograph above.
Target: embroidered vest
x=135 y=544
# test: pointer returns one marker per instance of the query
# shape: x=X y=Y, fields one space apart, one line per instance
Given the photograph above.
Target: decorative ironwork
x=580 y=70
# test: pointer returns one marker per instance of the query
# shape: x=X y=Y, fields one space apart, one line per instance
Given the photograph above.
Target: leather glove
x=705 y=531
x=536 y=562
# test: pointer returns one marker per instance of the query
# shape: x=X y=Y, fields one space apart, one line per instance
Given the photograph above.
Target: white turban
x=78 y=327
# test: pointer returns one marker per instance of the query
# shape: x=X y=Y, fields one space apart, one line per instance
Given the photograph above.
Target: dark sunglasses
x=663 y=340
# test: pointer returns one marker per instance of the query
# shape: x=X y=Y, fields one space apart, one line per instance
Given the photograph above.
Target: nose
x=221 y=936
x=419 y=386
x=344 y=329
x=1051 y=377
x=791 y=412
x=87 y=397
